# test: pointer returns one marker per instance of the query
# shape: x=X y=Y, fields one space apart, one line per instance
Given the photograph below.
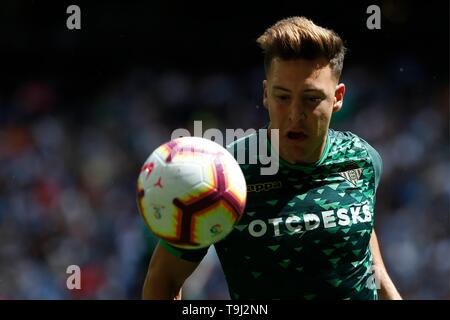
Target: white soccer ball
x=191 y=192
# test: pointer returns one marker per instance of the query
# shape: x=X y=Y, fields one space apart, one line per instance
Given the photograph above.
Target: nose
x=296 y=112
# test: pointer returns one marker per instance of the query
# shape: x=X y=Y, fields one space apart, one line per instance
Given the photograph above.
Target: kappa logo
x=352 y=175
x=266 y=186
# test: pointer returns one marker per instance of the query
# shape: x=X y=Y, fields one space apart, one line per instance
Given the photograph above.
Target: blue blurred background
x=80 y=111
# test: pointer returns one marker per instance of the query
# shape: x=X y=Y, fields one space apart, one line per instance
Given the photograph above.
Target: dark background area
x=198 y=37
x=80 y=110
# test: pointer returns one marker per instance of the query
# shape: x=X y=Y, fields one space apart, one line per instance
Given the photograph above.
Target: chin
x=293 y=154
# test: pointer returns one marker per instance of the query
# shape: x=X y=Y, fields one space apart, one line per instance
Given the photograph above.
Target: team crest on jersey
x=352 y=175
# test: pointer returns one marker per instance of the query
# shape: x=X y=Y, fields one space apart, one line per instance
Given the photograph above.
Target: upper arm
x=382 y=279
x=166 y=275
x=165 y=266
x=375 y=250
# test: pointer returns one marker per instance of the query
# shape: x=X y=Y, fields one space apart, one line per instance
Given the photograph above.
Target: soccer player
x=307 y=231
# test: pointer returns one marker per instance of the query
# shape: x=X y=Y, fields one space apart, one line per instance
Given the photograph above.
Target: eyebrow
x=281 y=88
x=315 y=90
x=310 y=89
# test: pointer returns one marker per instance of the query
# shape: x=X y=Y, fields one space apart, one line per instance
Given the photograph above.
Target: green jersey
x=305 y=231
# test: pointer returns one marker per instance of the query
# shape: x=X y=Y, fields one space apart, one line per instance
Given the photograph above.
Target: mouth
x=296 y=135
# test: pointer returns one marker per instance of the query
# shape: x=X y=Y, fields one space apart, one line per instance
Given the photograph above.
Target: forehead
x=296 y=71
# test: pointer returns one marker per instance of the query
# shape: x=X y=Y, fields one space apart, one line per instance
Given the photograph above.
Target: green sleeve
x=377 y=162
x=185 y=254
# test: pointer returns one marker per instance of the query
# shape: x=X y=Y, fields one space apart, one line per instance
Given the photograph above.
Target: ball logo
x=157 y=211
x=216 y=229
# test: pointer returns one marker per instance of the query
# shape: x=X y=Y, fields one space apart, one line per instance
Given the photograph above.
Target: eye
x=282 y=97
x=314 y=100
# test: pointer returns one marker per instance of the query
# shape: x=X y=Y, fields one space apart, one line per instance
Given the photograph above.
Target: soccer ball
x=191 y=192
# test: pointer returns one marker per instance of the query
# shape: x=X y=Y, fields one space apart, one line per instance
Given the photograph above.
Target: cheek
x=276 y=112
x=321 y=116
x=322 y=113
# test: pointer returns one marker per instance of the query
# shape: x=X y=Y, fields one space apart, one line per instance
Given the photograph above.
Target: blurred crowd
x=68 y=174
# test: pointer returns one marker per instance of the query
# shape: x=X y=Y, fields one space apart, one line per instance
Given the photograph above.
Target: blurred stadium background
x=81 y=110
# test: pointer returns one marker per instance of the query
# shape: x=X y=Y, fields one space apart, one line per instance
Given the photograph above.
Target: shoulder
x=357 y=146
x=246 y=152
x=242 y=143
x=376 y=160
x=350 y=141
x=245 y=148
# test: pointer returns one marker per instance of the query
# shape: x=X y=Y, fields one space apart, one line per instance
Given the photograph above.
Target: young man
x=308 y=234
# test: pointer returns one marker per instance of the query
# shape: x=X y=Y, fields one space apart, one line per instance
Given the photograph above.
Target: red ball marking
x=158 y=183
x=149 y=168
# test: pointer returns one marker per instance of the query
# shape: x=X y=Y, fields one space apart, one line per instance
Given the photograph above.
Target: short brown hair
x=299 y=37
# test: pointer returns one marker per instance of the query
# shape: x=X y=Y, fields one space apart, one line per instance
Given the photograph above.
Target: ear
x=265 y=95
x=338 y=97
